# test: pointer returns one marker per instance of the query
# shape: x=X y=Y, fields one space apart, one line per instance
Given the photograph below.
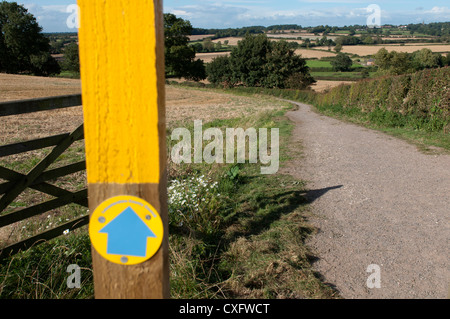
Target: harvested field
x=321 y=86
x=181 y=104
x=363 y=50
x=310 y=54
x=200 y=37
x=19 y=87
x=231 y=40
x=302 y=35
x=208 y=57
x=193 y=104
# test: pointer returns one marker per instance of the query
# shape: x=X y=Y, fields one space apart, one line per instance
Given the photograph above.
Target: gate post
x=123 y=90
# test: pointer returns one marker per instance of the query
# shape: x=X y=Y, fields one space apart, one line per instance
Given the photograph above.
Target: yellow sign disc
x=126 y=230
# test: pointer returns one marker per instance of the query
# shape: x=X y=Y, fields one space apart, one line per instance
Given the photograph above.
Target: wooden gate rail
x=38 y=105
x=38 y=176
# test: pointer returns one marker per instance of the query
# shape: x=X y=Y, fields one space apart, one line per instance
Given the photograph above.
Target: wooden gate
x=15 y=183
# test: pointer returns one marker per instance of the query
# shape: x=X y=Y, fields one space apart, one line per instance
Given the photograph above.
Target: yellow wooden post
x=123 y=88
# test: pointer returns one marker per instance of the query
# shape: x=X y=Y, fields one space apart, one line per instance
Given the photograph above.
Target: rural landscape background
x=234 y=233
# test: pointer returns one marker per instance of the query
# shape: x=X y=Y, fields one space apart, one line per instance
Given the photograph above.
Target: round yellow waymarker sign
x=126 y=230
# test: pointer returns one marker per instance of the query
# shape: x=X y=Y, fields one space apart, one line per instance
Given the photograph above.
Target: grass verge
x=431 y=142
x=254 y=245
x=409 y=128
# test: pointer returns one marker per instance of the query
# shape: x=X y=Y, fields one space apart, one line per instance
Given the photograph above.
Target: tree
x=219 y=72
x=401 y=63
x=180 y=57
x=208 y=45
x=71 y=58
x=342 y=62
x=383 y=59
x=258 y=62
x=23 y=47
x=367 y=39
x=338 y=47
x=426 y=59
x=285 y=69
x=248 y=60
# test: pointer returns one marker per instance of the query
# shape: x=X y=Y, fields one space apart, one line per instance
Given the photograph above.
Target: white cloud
x=53 y=18
x=236 y=13
x=439 y=10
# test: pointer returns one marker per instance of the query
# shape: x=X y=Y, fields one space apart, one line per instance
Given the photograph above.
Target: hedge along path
x=122 y=75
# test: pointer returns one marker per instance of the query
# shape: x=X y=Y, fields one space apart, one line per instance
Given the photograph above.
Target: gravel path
x=376 y=200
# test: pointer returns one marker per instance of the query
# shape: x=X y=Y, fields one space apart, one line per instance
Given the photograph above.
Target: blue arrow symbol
x=127 y=235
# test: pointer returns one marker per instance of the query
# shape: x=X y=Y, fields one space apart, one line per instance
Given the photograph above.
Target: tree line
x=255 y=61
x=396 y=63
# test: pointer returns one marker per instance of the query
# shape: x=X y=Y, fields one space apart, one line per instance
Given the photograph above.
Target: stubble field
x=364 y=50
x=182 y=104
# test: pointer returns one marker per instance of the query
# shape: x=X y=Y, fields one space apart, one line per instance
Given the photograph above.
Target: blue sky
x=52 y=15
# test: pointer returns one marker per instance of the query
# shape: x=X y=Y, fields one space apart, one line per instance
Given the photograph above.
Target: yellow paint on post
x=123 y=83
x=118 y=57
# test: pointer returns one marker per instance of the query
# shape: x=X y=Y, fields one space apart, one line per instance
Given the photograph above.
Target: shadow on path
x=312 y=195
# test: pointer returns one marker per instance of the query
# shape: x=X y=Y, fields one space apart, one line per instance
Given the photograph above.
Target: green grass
x=318 y=64
x=326 y=64
x=41 y=272
x=337 y=75
x=323 y=70
x=340 y=76
x=68 y=74
x=263 y=216
x=401 y=127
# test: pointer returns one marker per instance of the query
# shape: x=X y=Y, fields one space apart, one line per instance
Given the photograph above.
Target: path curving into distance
x=376 y=200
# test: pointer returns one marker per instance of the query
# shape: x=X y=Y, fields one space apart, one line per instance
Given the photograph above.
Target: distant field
x=200 y=37
x=318 y=64
x=231 y=40
x=305 y=53
x=325 y=64
x=208 y=57
x=364 y=50
x=310 y=36
x=331 y=75
x=310 y=54
x=321 y=86
x=234 y=40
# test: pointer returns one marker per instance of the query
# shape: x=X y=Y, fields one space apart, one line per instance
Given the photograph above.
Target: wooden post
x=123 y=90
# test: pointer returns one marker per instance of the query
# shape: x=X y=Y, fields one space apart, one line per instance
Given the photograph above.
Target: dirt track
x=376 y=200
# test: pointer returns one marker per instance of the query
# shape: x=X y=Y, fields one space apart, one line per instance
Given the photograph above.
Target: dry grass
x=305 y=53
x=181 y=104
x=37 y=125
x=208 y=57
x=193 y=104
x=322 y=86
x=310 y=54
x=231 y=40
x=19 y=87
x=200 y=37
